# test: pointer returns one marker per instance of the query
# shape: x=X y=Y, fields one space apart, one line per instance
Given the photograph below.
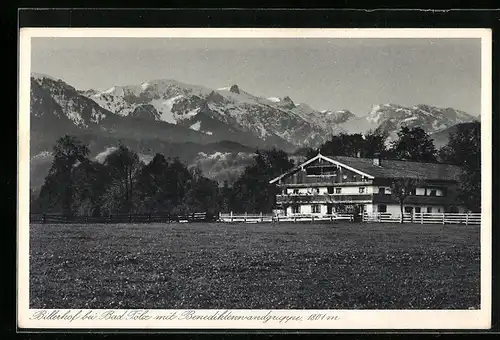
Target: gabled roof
x=319 y=156
x=403 y=169
x=387 y=168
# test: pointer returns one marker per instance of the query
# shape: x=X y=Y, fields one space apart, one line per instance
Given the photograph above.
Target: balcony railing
x=322 y=198
x=322 y=181
x=357 y=198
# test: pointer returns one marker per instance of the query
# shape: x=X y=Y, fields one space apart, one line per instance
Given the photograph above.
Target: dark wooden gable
x=321 y=171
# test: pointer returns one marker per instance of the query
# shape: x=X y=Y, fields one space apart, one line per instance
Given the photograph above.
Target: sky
x=325 y=73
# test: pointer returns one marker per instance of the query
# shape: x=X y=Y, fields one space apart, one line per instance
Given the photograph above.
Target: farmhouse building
x=325 y=185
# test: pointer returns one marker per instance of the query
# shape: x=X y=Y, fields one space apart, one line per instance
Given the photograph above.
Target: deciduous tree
x=124 y=165
x=252 y=191
x=401 y=188
x=56 y=193
x=464 y=149
x=414 y=144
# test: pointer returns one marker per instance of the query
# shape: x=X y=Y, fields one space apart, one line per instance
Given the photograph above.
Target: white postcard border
x=276 y=319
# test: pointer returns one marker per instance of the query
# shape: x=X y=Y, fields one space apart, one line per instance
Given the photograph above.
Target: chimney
x=376 y=159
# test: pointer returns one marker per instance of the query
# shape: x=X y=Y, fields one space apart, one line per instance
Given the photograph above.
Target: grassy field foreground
x=256 y=266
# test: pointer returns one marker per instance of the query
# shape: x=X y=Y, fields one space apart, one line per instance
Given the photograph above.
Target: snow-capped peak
x=110 y=90
x=274 y=99
x=374 y=114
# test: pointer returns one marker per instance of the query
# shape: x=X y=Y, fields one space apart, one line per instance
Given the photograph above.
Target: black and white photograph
x=255 y=178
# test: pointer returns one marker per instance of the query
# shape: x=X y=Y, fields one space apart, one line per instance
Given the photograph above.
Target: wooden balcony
x=319 y=182
x=322 y=199
x=358 y=198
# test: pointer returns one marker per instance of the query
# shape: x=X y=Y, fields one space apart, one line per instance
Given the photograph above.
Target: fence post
x=86 y=219
x=261 y=217
x=231 y=216
x=130 y=217
x=467 y=219
x=149 y=217
x=312 y=218
x=421 y=218
x=44 y=218
x=245 y=218
x=443 y=218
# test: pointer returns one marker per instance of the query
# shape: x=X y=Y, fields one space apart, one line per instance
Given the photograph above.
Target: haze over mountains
x=218 y=129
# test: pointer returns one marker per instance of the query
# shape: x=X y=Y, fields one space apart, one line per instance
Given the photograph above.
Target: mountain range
x=217 y=129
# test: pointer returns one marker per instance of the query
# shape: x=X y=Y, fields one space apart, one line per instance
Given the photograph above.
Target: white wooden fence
x=258 y=218
x=425 y=218
x=422 y=218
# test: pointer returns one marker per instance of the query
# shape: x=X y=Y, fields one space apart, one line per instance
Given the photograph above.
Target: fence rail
x=124 y=218
x=422 y=218
x=259 y=218
x=425 y=218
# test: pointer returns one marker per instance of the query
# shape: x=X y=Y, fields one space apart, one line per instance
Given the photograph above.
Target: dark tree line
x=123 y=184
x=77 y=185
x=412 y=144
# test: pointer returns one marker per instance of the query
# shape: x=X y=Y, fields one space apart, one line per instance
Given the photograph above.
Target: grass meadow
x=255 y=266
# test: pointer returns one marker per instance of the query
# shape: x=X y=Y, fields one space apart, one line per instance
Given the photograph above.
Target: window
x=315 y=208
x=362 y=190
x=429 y=209
x=432 y=192
x=313 y=171
x=418 y=210
x=295 y=191
x=439 y=210
x=381 y=191
x=316 y=191
x=295 y=209
x=408 y=209
x=382 y=208
x=338 y=190
x=330 y=190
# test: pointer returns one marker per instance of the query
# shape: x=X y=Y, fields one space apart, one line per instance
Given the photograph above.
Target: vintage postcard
x=254 y=178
